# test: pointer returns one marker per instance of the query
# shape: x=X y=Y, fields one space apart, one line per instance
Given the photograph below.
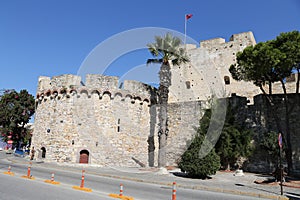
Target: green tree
x=16 y=110
x=289 y=44
x=269 y=143
x=234 y=141
x=269 y=62
x=258 y=64
x=192 y=162
x=168 y=51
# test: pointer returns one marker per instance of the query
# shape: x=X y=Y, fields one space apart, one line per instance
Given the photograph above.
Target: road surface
x=15 y=187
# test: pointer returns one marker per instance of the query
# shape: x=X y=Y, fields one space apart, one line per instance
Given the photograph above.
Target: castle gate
x=84 y=156
x=43 y=152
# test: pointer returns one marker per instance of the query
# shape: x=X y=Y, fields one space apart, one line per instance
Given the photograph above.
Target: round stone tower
x=96 y=122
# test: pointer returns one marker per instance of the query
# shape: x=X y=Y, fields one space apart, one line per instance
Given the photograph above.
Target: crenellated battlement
x=96 y=84
x=244 y=39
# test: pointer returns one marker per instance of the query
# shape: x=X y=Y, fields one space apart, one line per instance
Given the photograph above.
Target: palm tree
x=168 y=51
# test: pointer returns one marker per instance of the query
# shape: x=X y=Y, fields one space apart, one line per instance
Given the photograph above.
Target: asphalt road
x=15 y=187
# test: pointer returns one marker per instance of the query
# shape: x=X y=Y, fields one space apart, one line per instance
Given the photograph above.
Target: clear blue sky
x=53 y=37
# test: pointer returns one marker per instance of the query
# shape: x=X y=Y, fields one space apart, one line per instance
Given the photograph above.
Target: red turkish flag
x=188 y=16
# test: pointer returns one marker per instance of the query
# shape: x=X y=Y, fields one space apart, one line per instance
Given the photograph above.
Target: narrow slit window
x=118 y=126
x=226 y=80
x=188 y=84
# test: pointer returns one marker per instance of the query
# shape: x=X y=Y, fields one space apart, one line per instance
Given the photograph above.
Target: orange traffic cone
x=120 y=195
x=28 y=176
x=174 y=191
x=52 y=180
x=81 y=187
x=9 y=171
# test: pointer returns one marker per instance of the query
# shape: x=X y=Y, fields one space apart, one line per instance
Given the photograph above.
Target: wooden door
x=84 y=157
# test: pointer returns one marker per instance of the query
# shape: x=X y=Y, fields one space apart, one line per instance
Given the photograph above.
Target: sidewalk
x=226 y=182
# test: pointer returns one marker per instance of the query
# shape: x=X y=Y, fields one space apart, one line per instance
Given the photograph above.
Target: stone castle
x=99 y=123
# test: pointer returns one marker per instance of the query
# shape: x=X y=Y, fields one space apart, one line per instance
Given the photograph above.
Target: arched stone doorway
x=43 y=152
x=84 y=156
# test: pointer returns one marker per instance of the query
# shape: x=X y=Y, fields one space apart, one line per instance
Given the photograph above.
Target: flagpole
x=185 y=29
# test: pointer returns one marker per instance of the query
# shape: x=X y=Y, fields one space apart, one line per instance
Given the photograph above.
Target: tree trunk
x=271 y=104
x=153 y=118
x=162 y=160
x=298 y=80
x=287 y=138
x=163 y=90
x=228 y=165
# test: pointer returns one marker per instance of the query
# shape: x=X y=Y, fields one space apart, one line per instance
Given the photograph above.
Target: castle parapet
x=190 y=46
x=243 y=39
x=136 y=87
x=101 y=81
x=66 y=80
x=44 y=83
x=212 y=42
x=69 y=85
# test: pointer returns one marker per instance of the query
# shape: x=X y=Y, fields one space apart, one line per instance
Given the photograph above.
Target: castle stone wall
x=183 y=121
x=208 y=72
x=260 y=118
x=111 y=124
x=205 y=74
x=118 y=125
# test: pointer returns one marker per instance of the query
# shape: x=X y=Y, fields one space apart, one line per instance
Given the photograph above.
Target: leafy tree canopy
x=167 y=48
x=16 y=110
x=268 y=62
x=259 y=64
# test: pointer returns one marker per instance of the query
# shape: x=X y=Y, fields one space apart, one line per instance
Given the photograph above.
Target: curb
x=9 y=173
x=120 y=197
x=52 y=182
x=212 y=189
x=220 y=190
x=28 y=177
x=82 y=188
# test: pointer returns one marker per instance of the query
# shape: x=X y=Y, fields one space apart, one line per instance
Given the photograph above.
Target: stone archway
x=84 y=156
x=43 y=152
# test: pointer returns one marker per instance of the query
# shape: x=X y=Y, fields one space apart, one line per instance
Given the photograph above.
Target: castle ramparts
x=95 y=84
x=102 y=122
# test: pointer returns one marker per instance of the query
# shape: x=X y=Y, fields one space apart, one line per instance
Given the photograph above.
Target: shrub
x=194 y=165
